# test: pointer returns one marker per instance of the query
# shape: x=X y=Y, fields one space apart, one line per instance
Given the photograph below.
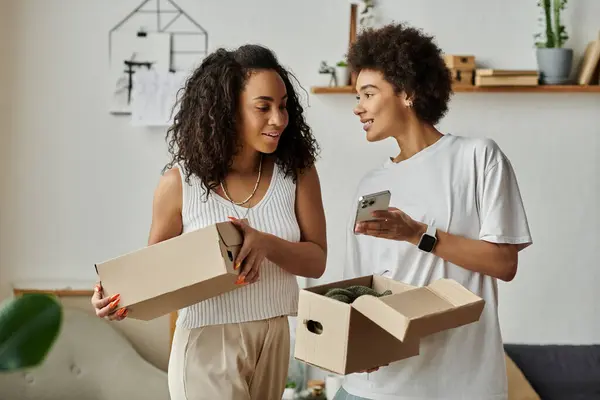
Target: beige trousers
x=245 y=361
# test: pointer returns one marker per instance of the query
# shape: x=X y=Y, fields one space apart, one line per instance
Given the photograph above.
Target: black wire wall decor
x=155 y=16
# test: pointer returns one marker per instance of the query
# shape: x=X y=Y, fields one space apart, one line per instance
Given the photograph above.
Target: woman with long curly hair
x=241 y=151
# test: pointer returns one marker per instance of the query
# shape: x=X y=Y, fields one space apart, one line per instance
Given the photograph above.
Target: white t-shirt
x=463 y=186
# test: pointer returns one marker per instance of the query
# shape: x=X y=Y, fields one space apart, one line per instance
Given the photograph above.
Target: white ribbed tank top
x=276 y=292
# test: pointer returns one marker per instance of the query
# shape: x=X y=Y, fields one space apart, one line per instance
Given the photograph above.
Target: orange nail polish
x=115 y=297
x=237 y=265
x=114 y=304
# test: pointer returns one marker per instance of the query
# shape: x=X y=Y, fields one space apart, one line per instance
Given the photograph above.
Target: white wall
x=80 y=181
x=6 y=12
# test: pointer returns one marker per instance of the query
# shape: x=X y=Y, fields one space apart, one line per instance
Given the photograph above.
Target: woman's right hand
x=105 y=306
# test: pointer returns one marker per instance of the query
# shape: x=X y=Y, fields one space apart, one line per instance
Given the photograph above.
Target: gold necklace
x=253 y=191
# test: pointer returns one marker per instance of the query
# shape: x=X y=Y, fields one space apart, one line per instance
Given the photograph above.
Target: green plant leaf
x=29 y=326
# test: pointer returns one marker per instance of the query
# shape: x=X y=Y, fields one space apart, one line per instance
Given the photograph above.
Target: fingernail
x=114 y=304
x=240 y=280
x=232 y=219
x=97 y=288
x=237 y=265
x=115 y=297
x=122 y=313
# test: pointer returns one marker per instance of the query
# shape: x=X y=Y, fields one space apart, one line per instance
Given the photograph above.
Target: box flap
x=230 y=234
x=442 y=305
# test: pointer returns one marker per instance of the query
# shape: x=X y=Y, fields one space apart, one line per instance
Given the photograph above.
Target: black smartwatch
x=428 y=240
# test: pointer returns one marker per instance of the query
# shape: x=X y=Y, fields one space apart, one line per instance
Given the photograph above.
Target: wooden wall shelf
x=487 y=89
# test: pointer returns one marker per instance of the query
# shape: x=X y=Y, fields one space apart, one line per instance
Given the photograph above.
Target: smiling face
x=262 y=113
x=382 y=111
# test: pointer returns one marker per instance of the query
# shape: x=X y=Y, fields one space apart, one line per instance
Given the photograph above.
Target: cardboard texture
x=176 y=273
x=460 y=62
x=373 y=331
x=462 y=77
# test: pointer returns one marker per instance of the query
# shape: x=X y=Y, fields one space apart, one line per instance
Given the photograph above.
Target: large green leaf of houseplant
x=29 y=325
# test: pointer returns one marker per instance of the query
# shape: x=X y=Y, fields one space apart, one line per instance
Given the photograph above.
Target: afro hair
x=411 y=62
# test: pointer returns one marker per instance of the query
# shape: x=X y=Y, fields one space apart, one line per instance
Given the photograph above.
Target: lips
x=272 y=135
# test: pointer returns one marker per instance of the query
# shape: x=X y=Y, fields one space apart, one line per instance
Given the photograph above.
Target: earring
x=409 y=104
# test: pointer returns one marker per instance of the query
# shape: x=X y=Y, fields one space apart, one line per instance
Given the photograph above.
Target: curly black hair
x=203 y=137
x=411 y=62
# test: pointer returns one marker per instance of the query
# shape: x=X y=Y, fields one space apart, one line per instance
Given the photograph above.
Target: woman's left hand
x=252 y=253
x=392 y=224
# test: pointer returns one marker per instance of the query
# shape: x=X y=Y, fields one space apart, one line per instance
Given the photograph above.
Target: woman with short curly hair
x=456 y=212
x=241 y=151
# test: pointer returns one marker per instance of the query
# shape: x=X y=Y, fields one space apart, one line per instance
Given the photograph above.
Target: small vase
x=342 y=75
x=554 y=65
x=289 y=394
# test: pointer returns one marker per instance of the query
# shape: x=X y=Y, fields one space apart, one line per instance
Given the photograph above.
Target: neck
x=415 y=137
x=246 y=162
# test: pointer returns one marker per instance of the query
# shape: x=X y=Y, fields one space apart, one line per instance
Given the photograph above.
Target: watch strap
x=431 y=231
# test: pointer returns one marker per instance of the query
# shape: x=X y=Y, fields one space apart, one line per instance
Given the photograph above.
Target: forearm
x=305 y=259
x=499 y=261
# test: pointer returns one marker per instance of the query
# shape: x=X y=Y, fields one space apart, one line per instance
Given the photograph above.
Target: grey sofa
x=90 y=360
x=559 y=372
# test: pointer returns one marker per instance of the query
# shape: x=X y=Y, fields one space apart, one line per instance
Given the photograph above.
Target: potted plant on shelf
x=554 y=61
x=342 y=73
x=289 y=392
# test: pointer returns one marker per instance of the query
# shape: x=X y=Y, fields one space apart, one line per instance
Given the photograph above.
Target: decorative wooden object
x=352 y=38
x=56 y=292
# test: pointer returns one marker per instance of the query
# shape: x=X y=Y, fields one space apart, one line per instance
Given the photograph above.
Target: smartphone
x=379 y=201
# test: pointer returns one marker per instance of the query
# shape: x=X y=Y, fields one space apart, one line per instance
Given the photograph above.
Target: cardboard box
x=175 y=273
x=461 y=62
x=373 y=331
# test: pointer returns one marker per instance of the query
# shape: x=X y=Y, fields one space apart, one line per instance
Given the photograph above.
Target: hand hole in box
x=230 y=255
x=314 y=326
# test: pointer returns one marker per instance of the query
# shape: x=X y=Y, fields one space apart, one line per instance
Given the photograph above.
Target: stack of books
x=506 y=77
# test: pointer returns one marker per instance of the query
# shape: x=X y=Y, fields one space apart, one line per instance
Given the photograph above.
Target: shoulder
x=168 y=191
x=308 y=178
x=171 y=179
x=485 y=152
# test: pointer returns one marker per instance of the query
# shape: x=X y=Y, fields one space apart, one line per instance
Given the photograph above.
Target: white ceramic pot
x=343 y=75
x=289 y=394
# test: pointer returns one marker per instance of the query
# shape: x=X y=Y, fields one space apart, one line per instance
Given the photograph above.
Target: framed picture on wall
x=132 y=52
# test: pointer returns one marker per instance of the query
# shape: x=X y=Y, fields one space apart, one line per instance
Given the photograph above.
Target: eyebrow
x=269 y=98
x=367 y=86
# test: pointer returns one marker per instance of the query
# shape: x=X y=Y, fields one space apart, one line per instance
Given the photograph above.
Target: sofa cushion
x=559 y=372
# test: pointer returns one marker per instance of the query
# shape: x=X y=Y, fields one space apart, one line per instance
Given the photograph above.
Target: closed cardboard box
x=461 y=62
x=176 y=273
x=462 y=77
x=373 y=331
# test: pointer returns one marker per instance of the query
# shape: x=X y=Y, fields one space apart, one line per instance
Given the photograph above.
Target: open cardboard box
x=374 y=331
x=175 y=273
